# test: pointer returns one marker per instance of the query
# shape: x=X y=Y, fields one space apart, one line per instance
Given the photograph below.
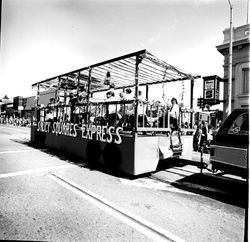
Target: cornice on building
x=224 y=48
x=239 y=33
x=241 y=38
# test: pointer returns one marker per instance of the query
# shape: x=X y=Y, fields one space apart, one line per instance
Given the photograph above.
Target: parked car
x=229 y=150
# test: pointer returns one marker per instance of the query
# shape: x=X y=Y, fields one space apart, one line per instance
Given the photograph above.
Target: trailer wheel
x=112 y=157
x=214 y=169
x=93 y=152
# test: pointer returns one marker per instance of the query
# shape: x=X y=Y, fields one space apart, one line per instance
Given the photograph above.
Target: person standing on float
x=174 y=114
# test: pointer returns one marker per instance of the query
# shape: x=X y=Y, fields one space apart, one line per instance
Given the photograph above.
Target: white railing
x=149 y=117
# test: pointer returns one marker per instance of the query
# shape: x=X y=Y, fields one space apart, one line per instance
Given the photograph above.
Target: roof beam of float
x=120 y=58
x=117 y=72
x=116 y=76
x=163 y=64
x=142 y=68
x=151 y=71
x=160 y=71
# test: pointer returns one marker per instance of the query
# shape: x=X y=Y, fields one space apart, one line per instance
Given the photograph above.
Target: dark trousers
x=173 y=123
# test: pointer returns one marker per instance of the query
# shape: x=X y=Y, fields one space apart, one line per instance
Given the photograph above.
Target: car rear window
x=234 y=130
x=240 y=125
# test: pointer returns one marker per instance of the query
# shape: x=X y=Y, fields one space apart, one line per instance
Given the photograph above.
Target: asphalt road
x=46 y=196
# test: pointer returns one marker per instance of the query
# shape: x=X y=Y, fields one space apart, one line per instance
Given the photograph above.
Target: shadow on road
x=61 y=155
x=22 y=141
x=227 y=190
x=80 y=162
x=176 y=162
x=169 y=163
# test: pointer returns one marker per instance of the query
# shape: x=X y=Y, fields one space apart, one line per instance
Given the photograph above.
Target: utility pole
x=0 y=23
x=229 y=108
x=248 y=12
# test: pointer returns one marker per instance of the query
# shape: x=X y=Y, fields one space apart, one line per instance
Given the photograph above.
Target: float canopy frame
x=152 y=70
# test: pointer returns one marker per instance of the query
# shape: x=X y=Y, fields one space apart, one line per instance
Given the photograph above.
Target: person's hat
x=112 y=85
x=128 y=90
x=111 y=93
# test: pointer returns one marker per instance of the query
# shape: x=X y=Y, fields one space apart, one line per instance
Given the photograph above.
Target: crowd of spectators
x=204 y=134
x=16 y=121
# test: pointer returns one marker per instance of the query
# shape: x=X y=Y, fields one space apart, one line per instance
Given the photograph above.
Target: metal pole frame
x=147 y=89
x=78 y=84
x=57 y=96
x=229 y=97
x=38 y=95
x=65 y=90
x=88 y=93
x=138 y=61
x=58 y=90
x=191 y=100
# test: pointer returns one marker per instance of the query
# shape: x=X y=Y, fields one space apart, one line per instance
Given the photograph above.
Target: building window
x=245 y=81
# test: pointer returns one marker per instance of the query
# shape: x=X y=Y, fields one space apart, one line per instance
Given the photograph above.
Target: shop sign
x=209 y=84
x=211 y=89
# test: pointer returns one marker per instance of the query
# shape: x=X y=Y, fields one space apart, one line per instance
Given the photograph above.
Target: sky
x=44 y=38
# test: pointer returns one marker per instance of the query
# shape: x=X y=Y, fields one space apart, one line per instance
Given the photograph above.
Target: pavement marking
x=18 y=151
x=21 y=173
x=180 y=172
x=154 y=184
x=134 y=221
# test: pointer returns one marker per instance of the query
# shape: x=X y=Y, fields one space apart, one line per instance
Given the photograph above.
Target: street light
x=230 y=61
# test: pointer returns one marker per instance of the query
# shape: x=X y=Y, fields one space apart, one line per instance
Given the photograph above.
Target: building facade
x=240 y=66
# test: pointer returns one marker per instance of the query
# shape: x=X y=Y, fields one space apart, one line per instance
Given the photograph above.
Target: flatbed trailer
x=82 y=125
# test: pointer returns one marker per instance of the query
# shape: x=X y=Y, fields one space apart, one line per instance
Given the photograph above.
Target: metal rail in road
x=142 y=225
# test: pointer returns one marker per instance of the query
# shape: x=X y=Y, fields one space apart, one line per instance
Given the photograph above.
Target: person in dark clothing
x=174 y=114
x=197 y=137
x=204 y=132
x=112 y=114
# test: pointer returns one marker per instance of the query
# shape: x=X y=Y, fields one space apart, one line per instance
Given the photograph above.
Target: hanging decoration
x=164 y=95
x=182 y=94
x=107 y=79
x=112 y=85
x=183 y=91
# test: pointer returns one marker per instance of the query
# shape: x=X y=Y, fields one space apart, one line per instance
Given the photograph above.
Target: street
x=46 y=196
